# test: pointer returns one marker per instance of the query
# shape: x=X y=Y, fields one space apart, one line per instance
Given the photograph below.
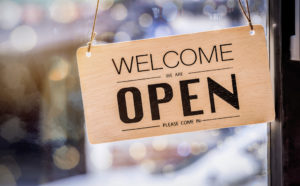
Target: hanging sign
x=176 y=84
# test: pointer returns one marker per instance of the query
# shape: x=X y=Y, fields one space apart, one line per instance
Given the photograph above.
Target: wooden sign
x=176 y=84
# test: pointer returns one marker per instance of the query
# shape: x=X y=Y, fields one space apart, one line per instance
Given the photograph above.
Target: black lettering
x=121 y=63
x=181 y=57
x=223 y=52
x=186 y=97
x=138 y=63
x=215 y=88
x=137 y=100
x=154 y=101
x=214 y=50
x=152 y=66
x=164 y=59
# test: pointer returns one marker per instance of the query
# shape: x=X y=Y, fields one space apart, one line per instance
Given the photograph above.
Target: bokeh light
x=23 y=38
x=119 y=12
x=122 y=36
x=131 y=28
x=12 y=130
x=160 y=143
x=10 y=14
x=33 y=14
x=137 y=151
x=208 y=10
x=198 y=148
x=105 y=4
x=66 y=157
x=184 y=149
x=148 y=165
x=169 y=11
x=63 y=11
x=59 y=69
x=145 y=20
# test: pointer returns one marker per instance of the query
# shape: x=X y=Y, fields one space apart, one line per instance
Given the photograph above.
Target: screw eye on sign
x=176 y=84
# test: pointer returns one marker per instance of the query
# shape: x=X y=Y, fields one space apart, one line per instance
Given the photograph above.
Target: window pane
x=42 y=135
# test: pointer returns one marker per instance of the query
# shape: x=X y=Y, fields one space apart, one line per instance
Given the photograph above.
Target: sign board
x=176 y=84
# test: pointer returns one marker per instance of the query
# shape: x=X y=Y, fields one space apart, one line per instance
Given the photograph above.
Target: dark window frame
x=284 y=146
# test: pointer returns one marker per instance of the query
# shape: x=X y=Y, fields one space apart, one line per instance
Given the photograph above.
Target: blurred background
x=42 y=133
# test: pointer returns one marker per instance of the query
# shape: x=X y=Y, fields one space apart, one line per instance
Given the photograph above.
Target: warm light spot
x=160 y=143
x=66 y=157
x=106 y=4
x=23 y=38
x=59 y=70
x=119 y=12
x=53 y=131
x=137 y=151
x=198 y=148
x=63 y=11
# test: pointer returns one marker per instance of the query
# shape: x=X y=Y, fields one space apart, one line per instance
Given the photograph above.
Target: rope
x=246 y=14
x=93 y=34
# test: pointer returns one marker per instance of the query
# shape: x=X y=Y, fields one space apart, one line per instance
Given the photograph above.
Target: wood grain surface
x=176 y=84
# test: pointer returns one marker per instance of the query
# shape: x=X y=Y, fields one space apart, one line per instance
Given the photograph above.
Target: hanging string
x=247 y=15
x=93 y=34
